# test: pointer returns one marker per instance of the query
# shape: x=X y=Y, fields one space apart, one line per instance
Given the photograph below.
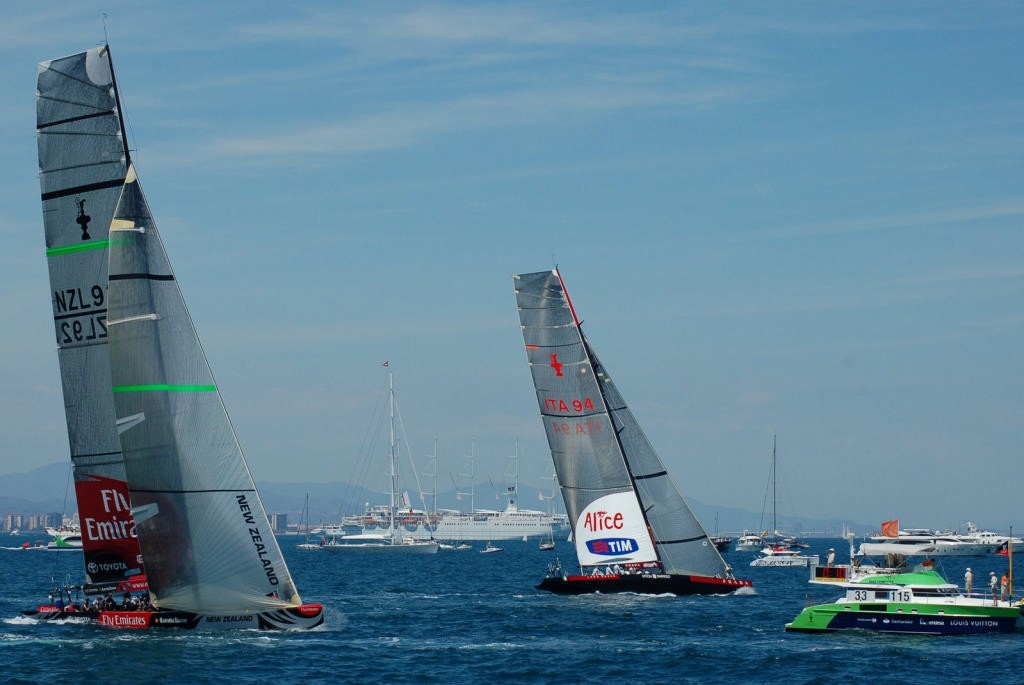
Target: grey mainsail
x=621 y=501
x=83 y=160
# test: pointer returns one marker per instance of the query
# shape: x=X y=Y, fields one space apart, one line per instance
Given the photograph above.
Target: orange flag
x=891 y=529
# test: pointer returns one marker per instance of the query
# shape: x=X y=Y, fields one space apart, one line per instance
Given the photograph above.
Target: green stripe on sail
x=77 y=247
x=165 y=387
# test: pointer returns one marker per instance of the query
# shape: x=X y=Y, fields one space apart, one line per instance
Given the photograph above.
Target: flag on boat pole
x=891 y=529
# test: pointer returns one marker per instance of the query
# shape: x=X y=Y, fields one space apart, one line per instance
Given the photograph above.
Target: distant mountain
x=39 y=491
x=43 y=490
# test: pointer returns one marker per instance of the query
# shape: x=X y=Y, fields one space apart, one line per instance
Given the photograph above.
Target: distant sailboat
x=131 y=358
x=632 y=529
x=776 y=551
x=392 y=540
x=722 y=542
x=304 y=522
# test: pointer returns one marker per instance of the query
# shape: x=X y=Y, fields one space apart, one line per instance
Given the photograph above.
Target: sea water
x=464 y=617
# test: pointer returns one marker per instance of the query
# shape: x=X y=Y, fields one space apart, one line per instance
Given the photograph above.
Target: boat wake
x=30 y=621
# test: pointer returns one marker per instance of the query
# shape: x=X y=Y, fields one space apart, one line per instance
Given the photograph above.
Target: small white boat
x=305 y=516
x=64 y=539
x=784 y=556
x=372 y=542
x=779 y=552
x=974 y=534
x=749 y=542
x=392 y=539
x=491 y=548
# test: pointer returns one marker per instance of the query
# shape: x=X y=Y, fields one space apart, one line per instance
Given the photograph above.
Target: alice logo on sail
x=602 y=520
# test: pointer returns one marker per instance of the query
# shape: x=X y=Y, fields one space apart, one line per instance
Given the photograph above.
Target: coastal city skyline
x=791 y=220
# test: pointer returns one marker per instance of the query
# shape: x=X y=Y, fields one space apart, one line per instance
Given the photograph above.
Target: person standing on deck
x=968 y=581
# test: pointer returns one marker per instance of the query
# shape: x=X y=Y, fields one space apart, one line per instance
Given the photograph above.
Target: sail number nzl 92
x=80 y=318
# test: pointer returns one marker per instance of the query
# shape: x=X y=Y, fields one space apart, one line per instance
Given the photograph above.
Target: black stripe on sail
x=676 y=542
x=84 y=312
x=136 y=277
x=190 y=492
x=659 y=474
x=86 y=455
x=74 y=119
x=89 y=187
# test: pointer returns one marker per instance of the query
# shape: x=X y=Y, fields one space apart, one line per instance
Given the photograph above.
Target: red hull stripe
x=706 y=580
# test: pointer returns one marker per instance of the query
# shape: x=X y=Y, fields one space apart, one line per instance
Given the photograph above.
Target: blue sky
x=792 y=218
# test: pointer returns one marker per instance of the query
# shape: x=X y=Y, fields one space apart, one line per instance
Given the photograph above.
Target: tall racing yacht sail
x=623 y=506
x=143 y=408
x=83 y=161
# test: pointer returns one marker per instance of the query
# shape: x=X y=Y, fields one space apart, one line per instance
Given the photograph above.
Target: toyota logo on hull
x=92 y=567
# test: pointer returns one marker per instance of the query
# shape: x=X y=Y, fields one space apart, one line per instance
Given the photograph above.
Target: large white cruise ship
x=512 y=523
